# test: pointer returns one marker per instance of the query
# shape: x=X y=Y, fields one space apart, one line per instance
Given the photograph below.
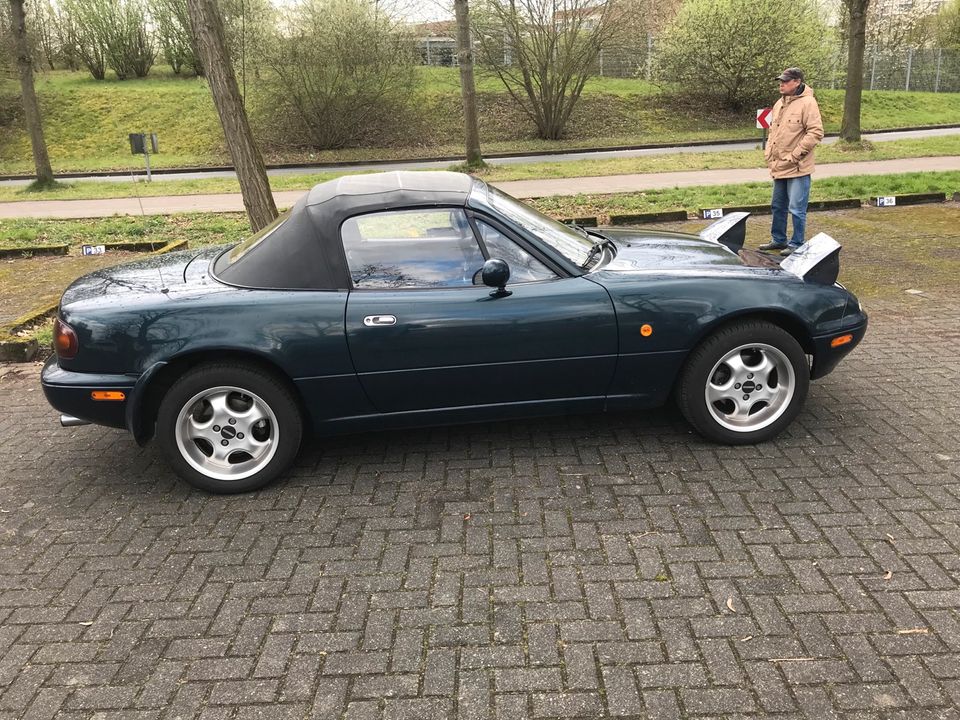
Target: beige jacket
x=795 y=130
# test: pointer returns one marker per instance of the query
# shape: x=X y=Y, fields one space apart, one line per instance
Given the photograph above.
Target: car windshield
x=568 y=241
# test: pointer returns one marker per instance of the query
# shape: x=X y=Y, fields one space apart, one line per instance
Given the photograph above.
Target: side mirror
x=495 y=274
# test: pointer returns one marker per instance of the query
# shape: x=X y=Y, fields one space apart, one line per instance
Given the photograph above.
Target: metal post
x=146 y=156
x=936 y=83
x=649 y=69
x=909 y=67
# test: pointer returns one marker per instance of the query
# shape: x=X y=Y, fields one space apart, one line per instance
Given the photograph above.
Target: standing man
x=795 y=130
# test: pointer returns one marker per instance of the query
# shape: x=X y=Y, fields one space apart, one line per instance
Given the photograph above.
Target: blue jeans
x=791 y=194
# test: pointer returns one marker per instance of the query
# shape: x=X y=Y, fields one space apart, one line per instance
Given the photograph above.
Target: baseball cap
x=792 y=73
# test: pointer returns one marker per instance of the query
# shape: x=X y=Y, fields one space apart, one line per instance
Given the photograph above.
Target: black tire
x=260 y=434
x=744 y=384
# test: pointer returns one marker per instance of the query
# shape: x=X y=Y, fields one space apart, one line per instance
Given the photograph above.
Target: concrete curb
x=910 y=199
x=581 y=221
x=35 y=250
x=15 y=349
x=651 y=217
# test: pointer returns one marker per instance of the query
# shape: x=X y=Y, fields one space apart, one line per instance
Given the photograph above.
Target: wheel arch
x=161 y=377
x=783 y=319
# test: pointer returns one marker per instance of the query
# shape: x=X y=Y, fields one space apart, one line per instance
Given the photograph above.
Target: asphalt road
x=515 y=160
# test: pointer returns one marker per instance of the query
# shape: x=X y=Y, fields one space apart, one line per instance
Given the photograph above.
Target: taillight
x=64 y=340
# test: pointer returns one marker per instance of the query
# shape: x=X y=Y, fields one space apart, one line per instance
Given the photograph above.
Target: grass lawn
x=925 y=147
x=198 y=229
x=87 y=121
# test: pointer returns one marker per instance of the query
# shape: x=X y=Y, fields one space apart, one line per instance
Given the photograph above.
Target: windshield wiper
x=597 y=248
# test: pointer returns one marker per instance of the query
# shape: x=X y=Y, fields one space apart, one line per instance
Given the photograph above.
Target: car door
x=423 y=335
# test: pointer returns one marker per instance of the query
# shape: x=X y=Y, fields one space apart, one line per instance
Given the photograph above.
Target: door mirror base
x=495 y=274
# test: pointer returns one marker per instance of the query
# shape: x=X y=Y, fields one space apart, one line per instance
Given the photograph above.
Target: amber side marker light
x=108 y=395
x=842 y=340
x=646 y=330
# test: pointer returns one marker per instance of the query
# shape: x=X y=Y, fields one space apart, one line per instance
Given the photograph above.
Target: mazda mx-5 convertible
x=411 y=299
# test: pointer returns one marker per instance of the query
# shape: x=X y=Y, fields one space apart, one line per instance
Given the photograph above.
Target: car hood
x=171 y=275
x=646 y=250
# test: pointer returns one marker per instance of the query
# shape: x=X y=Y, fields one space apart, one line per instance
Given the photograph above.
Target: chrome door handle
x=378 y=320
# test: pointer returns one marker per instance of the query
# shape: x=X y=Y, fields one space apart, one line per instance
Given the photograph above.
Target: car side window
x=523 y=266
x=411 y=249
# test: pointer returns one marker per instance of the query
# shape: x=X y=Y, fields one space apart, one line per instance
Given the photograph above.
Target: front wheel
x=744 y=384
x=229 y=428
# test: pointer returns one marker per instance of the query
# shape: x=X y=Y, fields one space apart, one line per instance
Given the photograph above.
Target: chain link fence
x=923 y=70
x=920 y=70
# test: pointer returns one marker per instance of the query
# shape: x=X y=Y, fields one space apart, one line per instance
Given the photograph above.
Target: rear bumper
x=69 y=393
x=826 y=357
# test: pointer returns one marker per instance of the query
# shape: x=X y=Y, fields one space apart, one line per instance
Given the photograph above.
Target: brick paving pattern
x=565 y=568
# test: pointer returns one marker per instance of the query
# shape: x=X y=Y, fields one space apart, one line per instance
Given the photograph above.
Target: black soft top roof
x=304 y=252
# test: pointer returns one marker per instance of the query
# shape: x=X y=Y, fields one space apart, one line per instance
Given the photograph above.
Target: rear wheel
x=229 y=428
x=745 y=383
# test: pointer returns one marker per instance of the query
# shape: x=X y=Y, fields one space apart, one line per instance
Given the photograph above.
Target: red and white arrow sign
x=763 y=118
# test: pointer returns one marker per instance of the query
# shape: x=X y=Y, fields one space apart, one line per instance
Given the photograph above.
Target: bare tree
x=856 y=40
x=207 y=27
x=341 y=71
x=468 y=90
x=543 y=51
x=44 y=30
x=172 y=23
x=893 y=29
x=739 y=45
x=31 y=107
x=948 y=26
x=65 y=28
x=91 y=44
x=112 y=33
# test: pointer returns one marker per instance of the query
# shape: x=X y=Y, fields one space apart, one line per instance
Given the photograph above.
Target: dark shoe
x=772 y=246
x=789 y=250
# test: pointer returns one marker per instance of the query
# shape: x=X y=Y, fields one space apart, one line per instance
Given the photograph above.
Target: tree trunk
x=31 y=108
x=468 y=90
x=207 y=28
x=850 y=125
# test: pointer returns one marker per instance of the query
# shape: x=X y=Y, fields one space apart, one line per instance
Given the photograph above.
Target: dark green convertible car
x=407 y=299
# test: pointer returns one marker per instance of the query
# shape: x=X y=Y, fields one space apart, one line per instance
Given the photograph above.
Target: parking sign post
x=139 y=146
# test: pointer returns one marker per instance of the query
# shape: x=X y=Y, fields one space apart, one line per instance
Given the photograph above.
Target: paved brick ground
x=578 y=567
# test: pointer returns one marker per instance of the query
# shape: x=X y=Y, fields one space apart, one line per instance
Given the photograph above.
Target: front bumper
x=826 y=357
x=70 y=393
